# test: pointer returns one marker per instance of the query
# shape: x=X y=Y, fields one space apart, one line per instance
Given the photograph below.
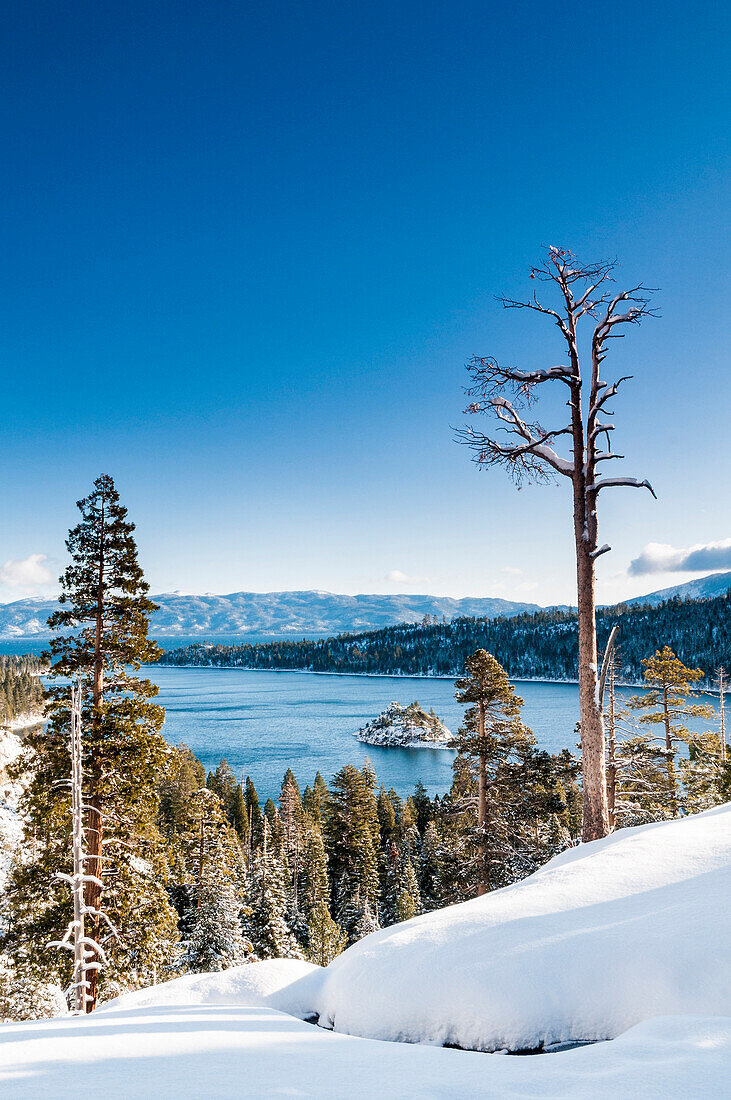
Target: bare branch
x=610 y=482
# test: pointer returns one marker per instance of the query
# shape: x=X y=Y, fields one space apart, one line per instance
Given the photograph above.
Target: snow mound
x=289 y=985
x=602 y=937
x=226 y=1052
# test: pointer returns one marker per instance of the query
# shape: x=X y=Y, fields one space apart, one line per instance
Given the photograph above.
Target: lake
x=265 y=722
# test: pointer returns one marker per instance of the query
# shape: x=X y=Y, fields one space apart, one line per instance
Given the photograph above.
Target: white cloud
x=395 y=576
x=659 y=557
x=512 y=571
x=27 y=574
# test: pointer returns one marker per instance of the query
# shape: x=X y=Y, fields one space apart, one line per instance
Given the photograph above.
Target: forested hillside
x=541 y=644
x=20 y=688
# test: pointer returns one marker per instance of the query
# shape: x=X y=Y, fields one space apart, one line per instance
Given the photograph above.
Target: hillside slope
x=294 y=613
x=541 y=644
x=702 y=589
x=621 y=939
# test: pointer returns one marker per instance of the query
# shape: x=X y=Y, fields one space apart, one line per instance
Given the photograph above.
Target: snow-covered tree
x=325 y=938
x=216 y=941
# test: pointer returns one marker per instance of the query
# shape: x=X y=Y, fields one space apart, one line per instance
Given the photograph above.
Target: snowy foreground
x=624 y=937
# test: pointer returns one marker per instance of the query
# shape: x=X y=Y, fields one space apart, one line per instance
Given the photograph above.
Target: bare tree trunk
x=669 y=754
x=482 y=802
x=721 y=674
x=77 y=800
x=612 y=754
x=95 y=839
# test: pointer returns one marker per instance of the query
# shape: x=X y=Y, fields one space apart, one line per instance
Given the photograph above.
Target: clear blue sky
x=247 y=249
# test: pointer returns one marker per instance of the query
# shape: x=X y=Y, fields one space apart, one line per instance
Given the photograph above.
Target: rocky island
x=405 y=727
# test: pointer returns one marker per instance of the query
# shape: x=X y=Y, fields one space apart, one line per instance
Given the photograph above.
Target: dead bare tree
x=528 y=452
x=88 y=955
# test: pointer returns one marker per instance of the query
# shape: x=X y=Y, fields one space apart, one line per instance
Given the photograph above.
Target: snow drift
x=231 y=1052
x=604 y=936
x=285 y=984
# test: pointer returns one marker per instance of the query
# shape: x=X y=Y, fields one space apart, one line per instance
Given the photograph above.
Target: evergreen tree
x=292 y=816
x=103 y=621
x=270 y=934
x=315 y=886
x=409 y=900
x=216 y=941
x=492 y=729
x=665 y=703
x=351 y=830
x=223 y=784
x=255 y=815
x=239 y=815
x=326 y=940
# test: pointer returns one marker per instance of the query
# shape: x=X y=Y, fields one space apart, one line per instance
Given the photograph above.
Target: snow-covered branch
x=610 y=482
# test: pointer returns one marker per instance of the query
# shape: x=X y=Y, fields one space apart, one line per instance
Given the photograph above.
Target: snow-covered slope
x=603 y=936
x=263 y=613
x=701 y=589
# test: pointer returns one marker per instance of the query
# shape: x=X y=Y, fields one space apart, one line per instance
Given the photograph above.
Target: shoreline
x=388 y=675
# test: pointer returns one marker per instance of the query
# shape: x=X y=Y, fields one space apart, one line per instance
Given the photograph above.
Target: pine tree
x=292 y=816
x=216 y=941
x=255 y=815
x=270 y=934
x=665 y=703
x=239 y=815
x=315 y=886
x=326 y=940
x=223 y=784
x=103 y=621
x=492 y=728
x=409 y=900
x=352 y=834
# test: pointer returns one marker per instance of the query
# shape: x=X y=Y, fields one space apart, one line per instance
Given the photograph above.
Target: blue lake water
x=265 y=722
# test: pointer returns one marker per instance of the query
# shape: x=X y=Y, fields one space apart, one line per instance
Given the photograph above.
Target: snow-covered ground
x=625 y=937
x=602 y=937
x=227 y=1051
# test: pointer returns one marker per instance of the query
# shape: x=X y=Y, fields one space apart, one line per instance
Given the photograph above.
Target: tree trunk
x=482 y=803
x=669 y=754
x=612 y=754
x=95 y=838
x=595 y=819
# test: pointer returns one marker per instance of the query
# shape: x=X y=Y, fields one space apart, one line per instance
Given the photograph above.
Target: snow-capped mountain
x=212 y=617
x=703 y=588
x=266 y=613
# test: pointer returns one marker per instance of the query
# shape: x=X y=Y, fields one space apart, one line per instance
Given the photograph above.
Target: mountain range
x=296 y=614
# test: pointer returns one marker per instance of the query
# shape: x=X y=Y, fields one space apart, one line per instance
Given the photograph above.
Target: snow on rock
x=405 y=727
x=289 y=985
x=228 y=1052
x=602 y=937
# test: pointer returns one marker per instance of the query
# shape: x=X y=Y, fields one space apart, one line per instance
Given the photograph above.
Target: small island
x=405 y=727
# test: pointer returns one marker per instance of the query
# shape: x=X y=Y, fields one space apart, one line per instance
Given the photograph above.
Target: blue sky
x=248 y=248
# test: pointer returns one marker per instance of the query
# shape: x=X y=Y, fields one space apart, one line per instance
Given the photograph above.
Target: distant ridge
x=270 y=613
x=704 y=588
x=184 y=617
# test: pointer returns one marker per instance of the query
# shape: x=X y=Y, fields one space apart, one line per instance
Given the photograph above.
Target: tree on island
x=527 y=451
